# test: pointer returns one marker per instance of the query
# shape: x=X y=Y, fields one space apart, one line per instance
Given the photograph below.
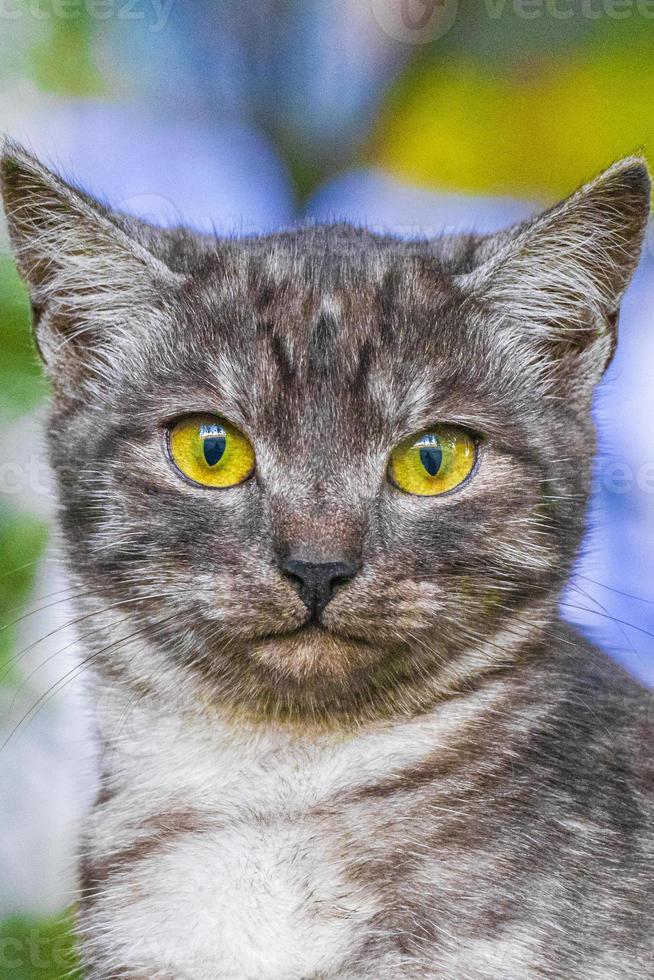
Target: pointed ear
x=560 y=278
x=90 y=282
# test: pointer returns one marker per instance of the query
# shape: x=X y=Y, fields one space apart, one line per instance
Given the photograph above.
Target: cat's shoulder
x=598 y=730
x=583 y=668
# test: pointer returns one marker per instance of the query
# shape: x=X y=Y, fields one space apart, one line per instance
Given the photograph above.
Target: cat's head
x=321 y=472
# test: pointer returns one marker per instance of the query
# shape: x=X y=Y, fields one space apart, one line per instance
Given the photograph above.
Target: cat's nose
x=317 y=582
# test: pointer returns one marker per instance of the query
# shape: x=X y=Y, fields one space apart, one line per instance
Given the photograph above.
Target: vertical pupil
x=214 y=448
x=431 y=458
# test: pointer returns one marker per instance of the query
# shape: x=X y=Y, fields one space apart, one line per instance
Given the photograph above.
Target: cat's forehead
x=342 y=256
x=334 y=287
x=321 y=292
x=324 y=325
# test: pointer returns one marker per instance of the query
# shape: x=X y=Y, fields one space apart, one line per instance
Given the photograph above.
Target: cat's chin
x=313 y=653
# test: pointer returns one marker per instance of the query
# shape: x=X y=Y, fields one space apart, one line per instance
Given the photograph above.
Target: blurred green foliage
x=22 y=541
x=29 y=950
x=32 y=949
x=37 y=949
x=62 y=61
x=21 y=380
x=22 y=538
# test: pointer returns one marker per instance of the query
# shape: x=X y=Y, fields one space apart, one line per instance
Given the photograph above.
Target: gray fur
x=520 y=845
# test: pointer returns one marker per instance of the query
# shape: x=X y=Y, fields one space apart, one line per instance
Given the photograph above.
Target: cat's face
x=314 y=582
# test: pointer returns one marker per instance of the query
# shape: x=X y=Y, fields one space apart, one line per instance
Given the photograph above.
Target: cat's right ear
x=90 y=282
x=554 y=284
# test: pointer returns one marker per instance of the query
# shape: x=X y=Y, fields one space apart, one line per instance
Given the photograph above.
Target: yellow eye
x=210 y=451
x=435 y=463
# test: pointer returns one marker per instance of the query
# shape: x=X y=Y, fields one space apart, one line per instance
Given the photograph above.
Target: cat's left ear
x=558 y=279
x=92 y=282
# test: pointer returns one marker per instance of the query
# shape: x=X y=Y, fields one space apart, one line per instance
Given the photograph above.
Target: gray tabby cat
x=320 y=493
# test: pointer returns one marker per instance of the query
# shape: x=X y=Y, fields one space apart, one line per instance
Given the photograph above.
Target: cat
x=320 y=492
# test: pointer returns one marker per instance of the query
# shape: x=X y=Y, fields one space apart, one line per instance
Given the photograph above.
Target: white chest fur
x=247 y=901
x=230 y=856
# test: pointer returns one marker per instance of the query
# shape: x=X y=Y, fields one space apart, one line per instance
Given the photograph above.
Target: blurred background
x=418 y=116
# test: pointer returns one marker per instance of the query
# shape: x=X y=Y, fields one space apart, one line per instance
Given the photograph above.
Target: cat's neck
x=213 y=756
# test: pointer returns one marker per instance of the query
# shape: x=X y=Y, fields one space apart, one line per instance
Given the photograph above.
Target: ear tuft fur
x=561 y=276
x=88 y=279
